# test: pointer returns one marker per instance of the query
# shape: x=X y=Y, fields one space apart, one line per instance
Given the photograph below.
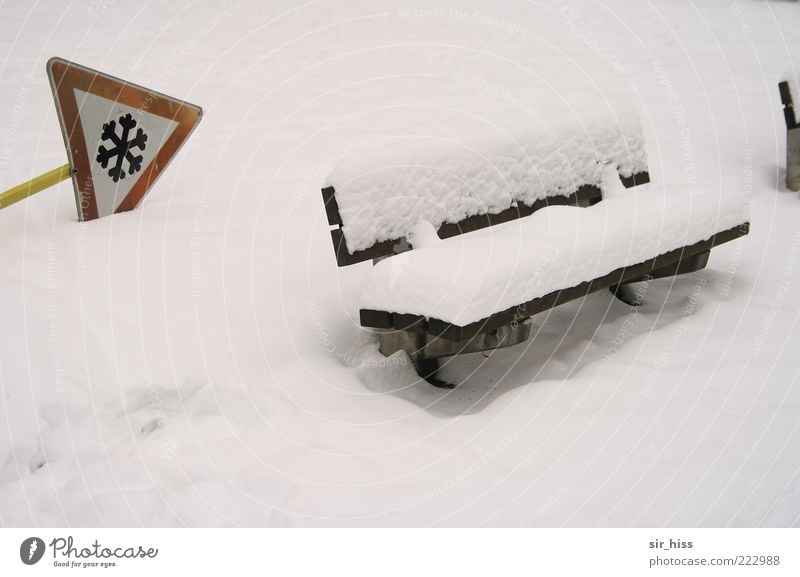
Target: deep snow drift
x=199 y=361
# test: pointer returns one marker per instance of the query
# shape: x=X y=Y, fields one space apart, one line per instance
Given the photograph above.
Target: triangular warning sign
x=119 y=136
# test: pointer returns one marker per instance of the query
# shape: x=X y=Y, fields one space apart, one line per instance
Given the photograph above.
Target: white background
x=198 y=362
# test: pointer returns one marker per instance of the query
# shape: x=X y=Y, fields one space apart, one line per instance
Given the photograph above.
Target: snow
x=199 y=361
x=383 y=192
x=611 y=184
x=468 y=278
x=423 y=235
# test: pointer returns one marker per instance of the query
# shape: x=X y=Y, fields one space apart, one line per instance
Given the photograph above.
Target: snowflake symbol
x=122 y=147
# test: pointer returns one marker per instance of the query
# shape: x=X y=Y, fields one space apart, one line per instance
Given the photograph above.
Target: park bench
x=442 y=286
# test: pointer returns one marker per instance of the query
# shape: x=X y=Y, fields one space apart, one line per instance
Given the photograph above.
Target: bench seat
x=458 y=184
x=464 y=281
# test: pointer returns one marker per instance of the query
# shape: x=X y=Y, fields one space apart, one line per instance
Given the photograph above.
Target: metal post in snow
x=792 y=139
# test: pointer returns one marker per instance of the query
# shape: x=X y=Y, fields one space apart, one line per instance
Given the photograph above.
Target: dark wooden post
x=792 y=139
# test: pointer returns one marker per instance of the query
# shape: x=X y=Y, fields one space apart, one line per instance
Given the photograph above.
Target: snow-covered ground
x=199 y=361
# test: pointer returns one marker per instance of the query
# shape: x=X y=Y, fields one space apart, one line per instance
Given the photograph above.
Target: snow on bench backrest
x=383 y=193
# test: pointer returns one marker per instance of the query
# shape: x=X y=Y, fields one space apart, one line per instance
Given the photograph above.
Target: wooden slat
x=331 y=206
x=635 y=179
x=406 y=322
x=345 y=258
x=375 y=319
x=586 y=195
x=685 y=265
x=340 y=247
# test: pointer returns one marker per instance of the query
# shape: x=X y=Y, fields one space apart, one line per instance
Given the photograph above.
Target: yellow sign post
x=35 y=185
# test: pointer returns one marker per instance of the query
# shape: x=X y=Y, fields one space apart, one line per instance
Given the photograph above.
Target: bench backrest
x=375 y=199
x=785 y=90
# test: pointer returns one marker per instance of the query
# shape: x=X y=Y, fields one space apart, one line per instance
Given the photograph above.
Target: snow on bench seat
x=382 y=193
x=470 y=277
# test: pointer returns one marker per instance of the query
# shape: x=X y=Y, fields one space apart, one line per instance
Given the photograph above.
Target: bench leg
x=428 y=369
x=686 y=265
x=626 y=294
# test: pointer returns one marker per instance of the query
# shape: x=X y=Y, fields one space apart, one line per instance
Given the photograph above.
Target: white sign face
x=123 y=140
x=119 y=136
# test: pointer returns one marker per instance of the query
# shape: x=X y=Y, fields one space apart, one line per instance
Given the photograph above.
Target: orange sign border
x=64 y=77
